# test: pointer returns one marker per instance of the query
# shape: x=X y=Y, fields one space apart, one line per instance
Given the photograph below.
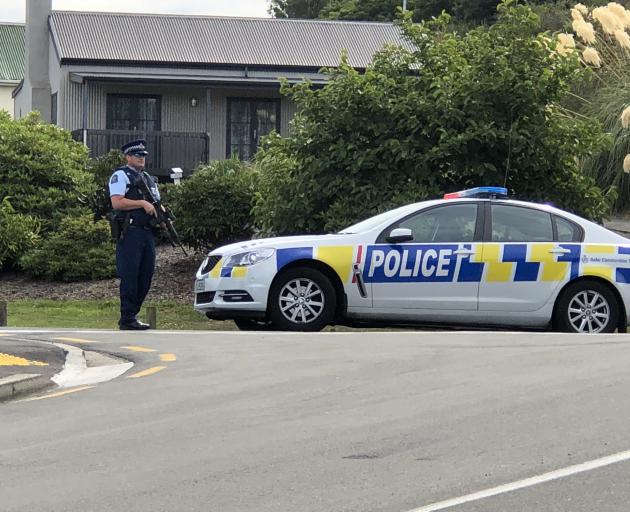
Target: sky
x=14 y=10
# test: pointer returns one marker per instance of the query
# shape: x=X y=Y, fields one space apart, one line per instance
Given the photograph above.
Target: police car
x=474 y=257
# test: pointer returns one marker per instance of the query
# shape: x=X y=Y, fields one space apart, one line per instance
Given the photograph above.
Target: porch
x=167 y=149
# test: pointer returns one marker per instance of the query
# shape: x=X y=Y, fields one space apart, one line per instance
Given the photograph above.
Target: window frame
x=252 y=101
x=109 y=108
x=477 y=237
x=487 y=237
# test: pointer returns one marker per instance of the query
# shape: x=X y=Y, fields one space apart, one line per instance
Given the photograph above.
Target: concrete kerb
x=23 y=384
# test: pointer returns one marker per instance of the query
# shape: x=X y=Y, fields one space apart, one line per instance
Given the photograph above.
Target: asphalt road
x=328 y=422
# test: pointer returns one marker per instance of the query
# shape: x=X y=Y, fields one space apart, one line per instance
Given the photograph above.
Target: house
x=198 y=88
x=11 y=62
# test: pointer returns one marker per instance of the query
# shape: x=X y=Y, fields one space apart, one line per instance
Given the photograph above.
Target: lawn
x=104 y=314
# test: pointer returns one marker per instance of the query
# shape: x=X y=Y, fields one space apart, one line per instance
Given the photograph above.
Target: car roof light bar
x=479 y=193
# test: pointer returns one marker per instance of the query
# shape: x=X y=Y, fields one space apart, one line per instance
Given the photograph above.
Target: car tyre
x=248 y=324
x=302 y=299
x=587 y=306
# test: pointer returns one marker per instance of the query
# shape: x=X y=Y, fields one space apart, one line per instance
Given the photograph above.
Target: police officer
x=135 y=247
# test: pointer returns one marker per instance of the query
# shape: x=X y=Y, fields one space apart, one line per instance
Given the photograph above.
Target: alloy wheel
x=301 y=301
x=589 y=312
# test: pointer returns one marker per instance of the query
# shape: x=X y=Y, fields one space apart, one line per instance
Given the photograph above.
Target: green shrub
x=101 y=169
x=42 y=170
x=213 y=206
x=80 y=249
x=18 y=233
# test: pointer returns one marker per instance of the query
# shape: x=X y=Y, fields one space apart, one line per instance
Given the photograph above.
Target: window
x=250 y=119
x=133 y=112
x=567 y=231
x=518 y=224
x=452 y=223
x=53 y=108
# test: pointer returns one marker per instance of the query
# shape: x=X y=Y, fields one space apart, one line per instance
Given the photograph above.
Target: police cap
x=135 y=148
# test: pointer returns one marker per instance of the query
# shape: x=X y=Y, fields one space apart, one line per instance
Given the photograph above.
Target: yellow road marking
x=59 y=393
x=167 y=358
x=135 y=348
x=76 y=340
x=3 y=334
x=144 y=373
x=9 y=360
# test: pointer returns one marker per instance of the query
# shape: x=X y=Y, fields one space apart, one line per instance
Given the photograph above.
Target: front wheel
x=302 y=299
x=587 y=307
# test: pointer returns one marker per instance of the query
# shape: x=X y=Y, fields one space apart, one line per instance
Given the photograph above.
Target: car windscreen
x=377 y=220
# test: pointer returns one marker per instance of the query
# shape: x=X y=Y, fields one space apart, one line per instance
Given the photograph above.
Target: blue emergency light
x=479 y=193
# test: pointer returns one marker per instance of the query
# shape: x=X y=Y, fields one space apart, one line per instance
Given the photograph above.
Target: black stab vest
x=139 y=216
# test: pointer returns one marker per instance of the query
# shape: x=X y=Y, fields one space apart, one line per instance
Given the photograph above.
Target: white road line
x=528 y=482
x=145 y=334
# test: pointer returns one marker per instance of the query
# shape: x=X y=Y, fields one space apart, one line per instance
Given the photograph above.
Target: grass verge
x=104 y=314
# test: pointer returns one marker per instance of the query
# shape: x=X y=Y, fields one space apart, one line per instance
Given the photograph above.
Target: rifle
x=163 y=216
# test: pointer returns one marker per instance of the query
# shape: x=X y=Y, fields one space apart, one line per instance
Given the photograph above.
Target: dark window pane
x=249 y=120
x=516 y=224
x=453 y=223
x=133 y=113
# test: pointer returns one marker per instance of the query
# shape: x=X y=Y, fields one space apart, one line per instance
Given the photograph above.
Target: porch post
x=84 y=121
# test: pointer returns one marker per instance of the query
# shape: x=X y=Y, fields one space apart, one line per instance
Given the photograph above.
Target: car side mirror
x=399 y=235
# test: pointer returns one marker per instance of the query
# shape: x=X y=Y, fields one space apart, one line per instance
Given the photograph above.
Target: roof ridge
x=236 y=18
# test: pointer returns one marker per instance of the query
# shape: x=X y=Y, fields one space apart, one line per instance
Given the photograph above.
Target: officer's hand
x=148 y=208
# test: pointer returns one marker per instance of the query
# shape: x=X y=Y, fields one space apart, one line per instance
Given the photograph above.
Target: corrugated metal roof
x=216 y=40
x=11 y=51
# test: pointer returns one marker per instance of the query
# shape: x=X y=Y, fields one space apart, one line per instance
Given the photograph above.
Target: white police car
x=473 y=258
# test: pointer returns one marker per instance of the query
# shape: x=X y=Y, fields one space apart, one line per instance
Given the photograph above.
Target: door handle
x=559 y=250
x=465 y=252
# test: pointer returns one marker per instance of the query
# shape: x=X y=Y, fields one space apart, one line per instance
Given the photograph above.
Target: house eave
x=208 y=77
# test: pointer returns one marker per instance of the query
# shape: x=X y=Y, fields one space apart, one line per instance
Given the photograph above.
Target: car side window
x=567 y=231
x=519 y=224
x=451 y=223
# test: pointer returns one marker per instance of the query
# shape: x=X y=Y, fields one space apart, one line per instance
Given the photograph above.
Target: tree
x=460 y=111
x=307 y=9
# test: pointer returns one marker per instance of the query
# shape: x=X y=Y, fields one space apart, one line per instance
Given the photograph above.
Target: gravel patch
x=173 y=280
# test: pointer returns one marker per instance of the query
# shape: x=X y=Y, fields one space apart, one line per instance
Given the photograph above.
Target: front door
x=438 y=269
x=250 y=119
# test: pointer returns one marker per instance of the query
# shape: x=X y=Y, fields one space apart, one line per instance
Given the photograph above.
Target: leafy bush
x=18 y=233
x=214 y=205
x=42 y=170
x=101 y=169
x=459 y=111
x=80 y=249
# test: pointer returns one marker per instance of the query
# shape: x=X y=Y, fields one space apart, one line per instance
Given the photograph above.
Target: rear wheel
x=302 y=299
x=587 y=307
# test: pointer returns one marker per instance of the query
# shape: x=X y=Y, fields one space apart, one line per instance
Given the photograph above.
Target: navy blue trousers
x=135 y=263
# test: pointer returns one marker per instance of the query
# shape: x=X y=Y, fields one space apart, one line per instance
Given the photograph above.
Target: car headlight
x=245 y=259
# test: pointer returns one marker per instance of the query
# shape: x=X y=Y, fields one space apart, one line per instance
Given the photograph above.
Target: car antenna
x=507 y=163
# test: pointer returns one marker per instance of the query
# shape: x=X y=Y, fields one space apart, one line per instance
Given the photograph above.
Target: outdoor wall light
x=193 y=102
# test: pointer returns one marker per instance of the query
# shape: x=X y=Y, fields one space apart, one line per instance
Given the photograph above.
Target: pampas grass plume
x=591 y=56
